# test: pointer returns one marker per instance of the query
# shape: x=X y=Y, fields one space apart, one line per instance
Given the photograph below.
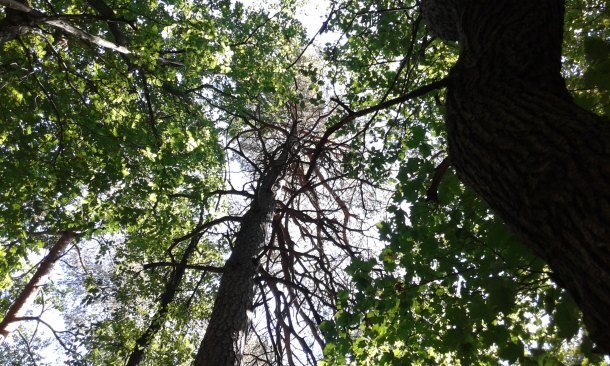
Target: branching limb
x=381 y=106
x=199 y=267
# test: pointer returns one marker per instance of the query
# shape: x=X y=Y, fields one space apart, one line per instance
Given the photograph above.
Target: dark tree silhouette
x=517 y=138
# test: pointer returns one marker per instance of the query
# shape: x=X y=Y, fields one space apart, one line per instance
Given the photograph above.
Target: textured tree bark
x=224 y=339
x=27 y=296
x=541 y=162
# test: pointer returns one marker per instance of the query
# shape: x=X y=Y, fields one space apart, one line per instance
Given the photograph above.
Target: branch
x=37 y=318
x=103 y=8
x=439 y=173
x=86 y=37
x=353 y=115
x=219 y=192
x=267 y=277
x=233 y=192
x=205 y=226
x=29 y=292
x=200 y=267
x=74 y=31
x=322 y=29
x=403 y=98
x=15 y=5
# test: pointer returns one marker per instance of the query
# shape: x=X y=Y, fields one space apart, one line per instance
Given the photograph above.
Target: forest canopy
x=225 y=183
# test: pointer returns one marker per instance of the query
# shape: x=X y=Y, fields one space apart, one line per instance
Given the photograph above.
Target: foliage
x=95 y=141
x=91 y=141
x=587 y=34
x=136 y=151
x=452 y=285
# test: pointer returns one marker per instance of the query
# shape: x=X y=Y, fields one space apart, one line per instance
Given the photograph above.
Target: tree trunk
x=27 y=296
x=541 y=162
x=157 y=321
x=224 y=339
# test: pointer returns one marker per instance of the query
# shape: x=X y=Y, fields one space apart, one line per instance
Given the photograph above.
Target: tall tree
x=93 y=142
x=453 y=285
x=296 y=212
x=225 y=335
x=517 y=138
x=229 y=182
x=261 y=106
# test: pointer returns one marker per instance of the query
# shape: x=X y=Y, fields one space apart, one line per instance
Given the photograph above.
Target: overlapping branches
x=318 y=226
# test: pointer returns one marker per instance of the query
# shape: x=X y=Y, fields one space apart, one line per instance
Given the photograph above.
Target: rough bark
x=29 y=292
x=541 y=162
x=224 y=339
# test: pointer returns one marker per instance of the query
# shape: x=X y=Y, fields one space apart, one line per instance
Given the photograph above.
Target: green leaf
x=502 y=293
x=566 y=318
x=596 y=49
x=511 y=351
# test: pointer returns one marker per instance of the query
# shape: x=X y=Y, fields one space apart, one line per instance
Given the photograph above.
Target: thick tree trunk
x=224 y=339
x=541 y=162
x=28 y=294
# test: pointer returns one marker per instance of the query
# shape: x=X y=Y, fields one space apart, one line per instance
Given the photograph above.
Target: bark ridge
x=540 y=161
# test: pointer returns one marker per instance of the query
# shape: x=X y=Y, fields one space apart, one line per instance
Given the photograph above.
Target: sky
x=312 y=13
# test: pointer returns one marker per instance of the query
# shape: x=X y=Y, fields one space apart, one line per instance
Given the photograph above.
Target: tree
x=93 y=143
x=131 y=120
x=243 y=97
x=538 y=159
x=456 y=286
x=295 y=220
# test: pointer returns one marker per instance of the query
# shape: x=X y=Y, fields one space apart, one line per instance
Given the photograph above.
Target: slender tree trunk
x=28 y=294
x=224 y=339
x=540 y=161
x=175 y=279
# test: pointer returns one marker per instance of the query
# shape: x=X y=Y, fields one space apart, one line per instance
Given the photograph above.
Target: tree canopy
x=204 y=182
